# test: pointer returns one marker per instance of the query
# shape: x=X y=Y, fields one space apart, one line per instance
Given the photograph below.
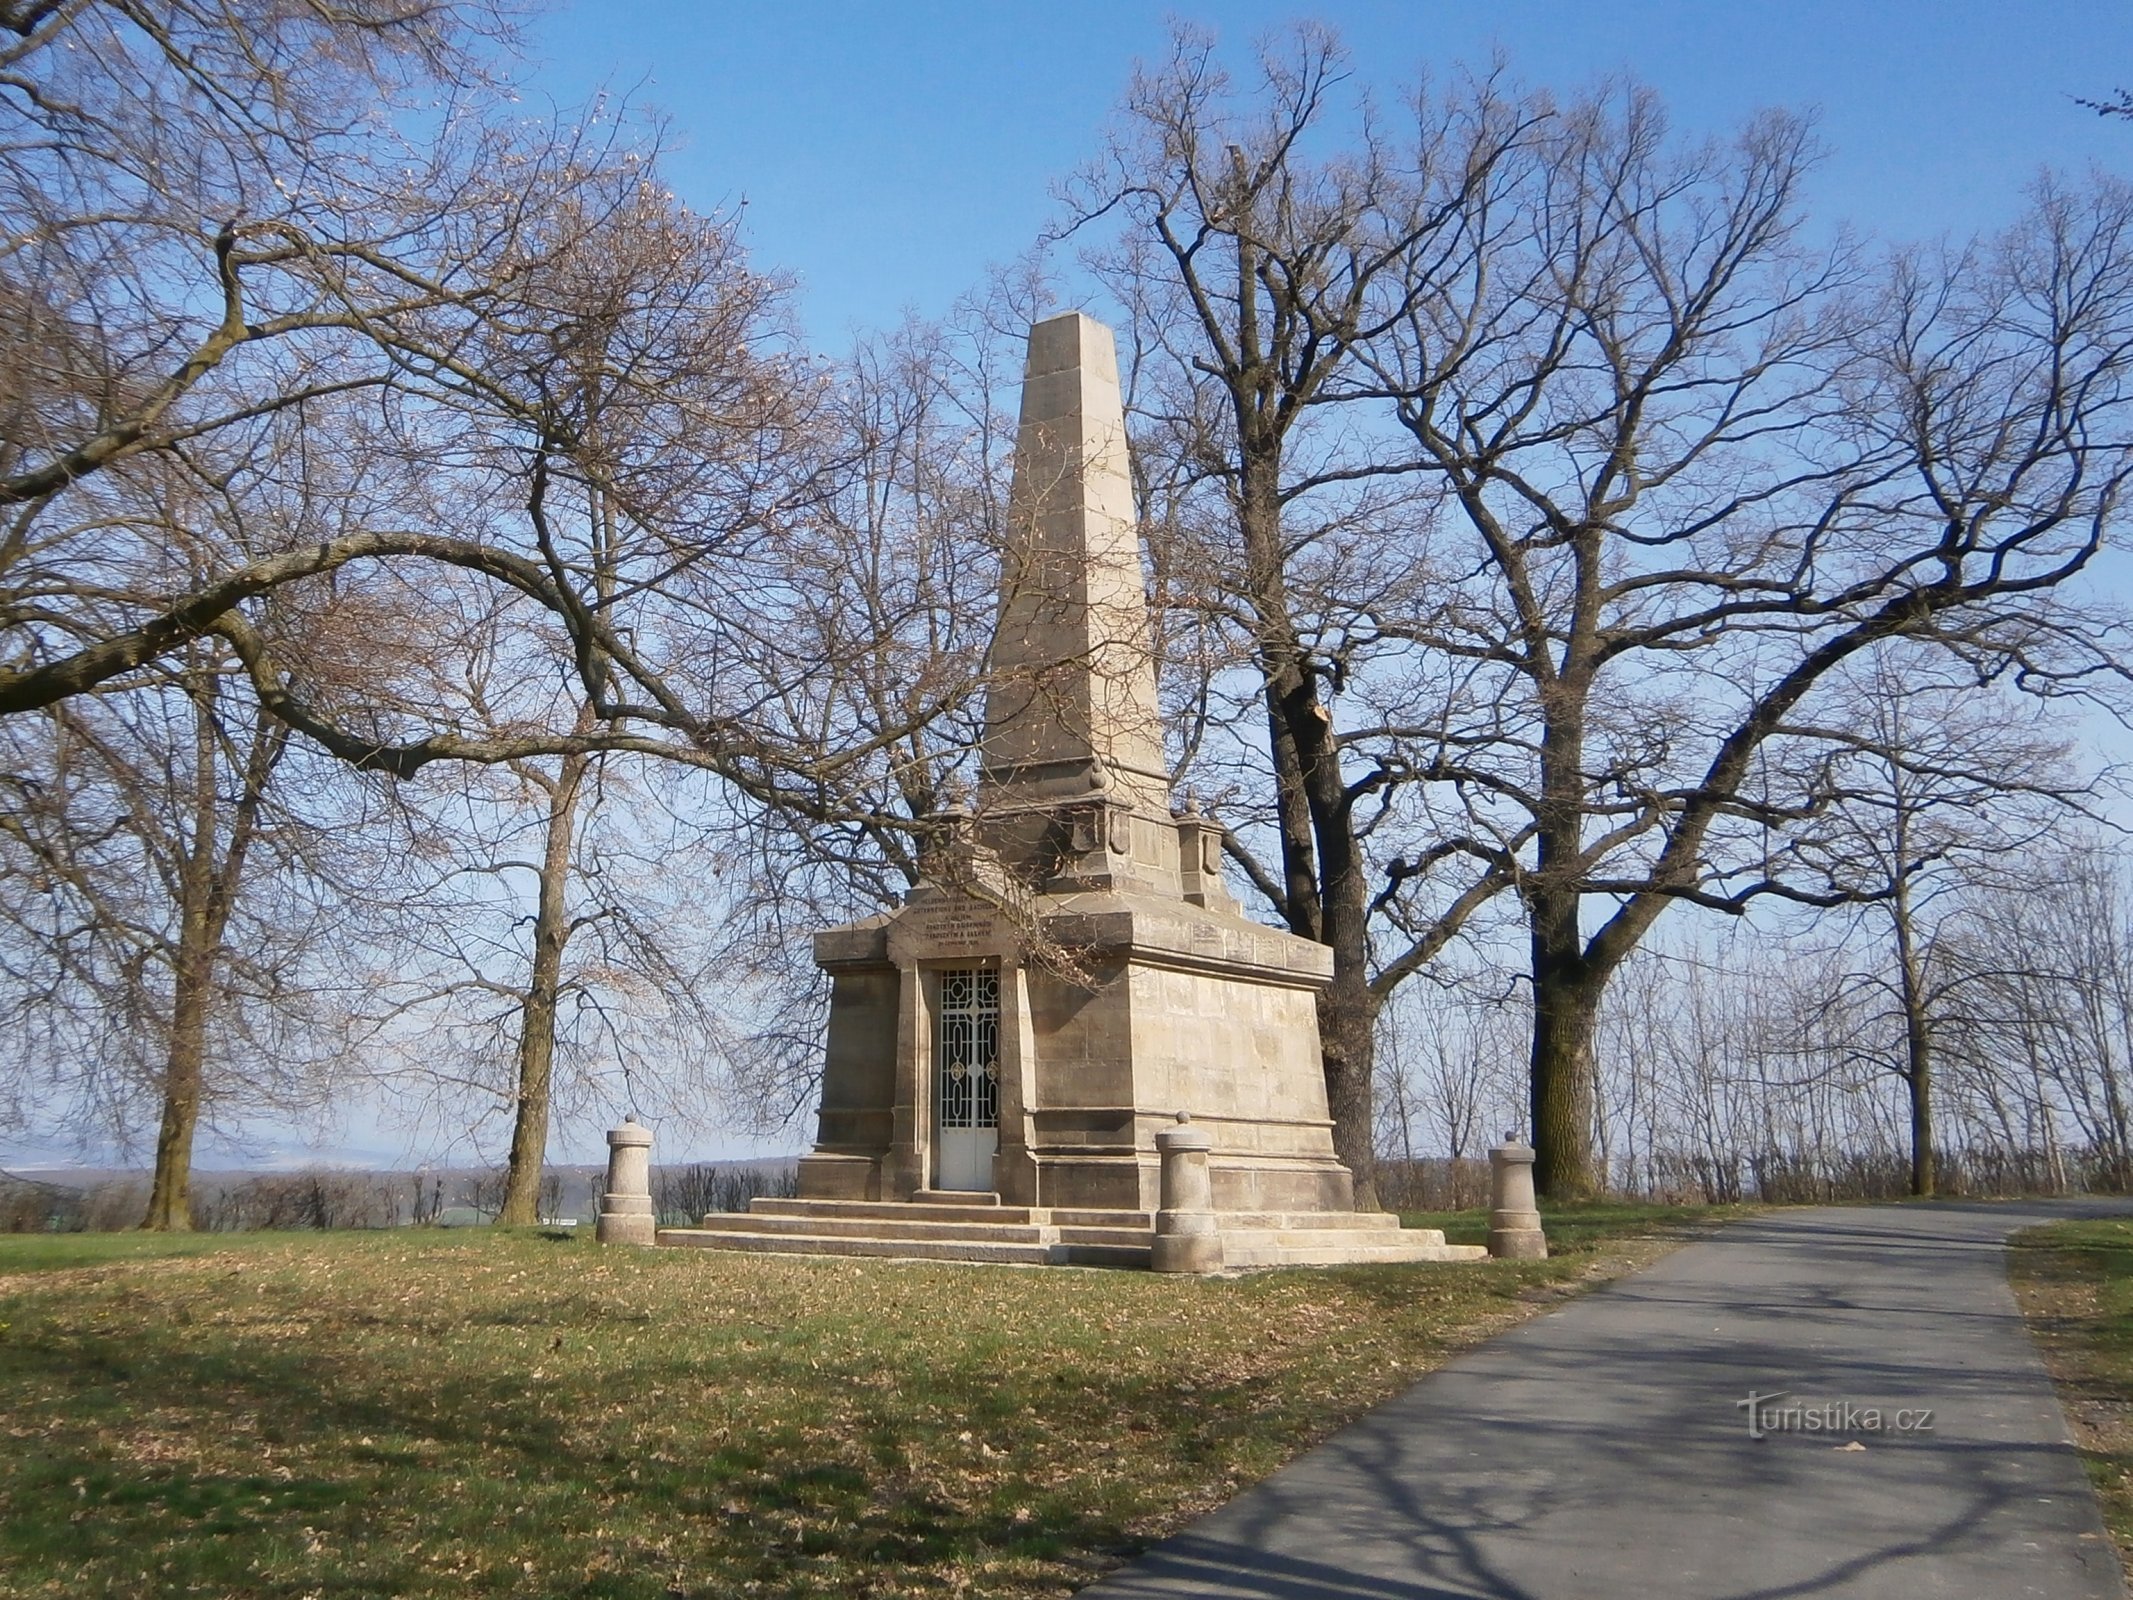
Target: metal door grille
x=969 y=1053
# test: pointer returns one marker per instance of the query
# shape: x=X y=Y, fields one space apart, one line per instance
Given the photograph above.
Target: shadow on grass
x=557 y=1439
x=335 y=1446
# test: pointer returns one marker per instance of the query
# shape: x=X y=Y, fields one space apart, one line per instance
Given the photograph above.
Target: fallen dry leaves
x=450 y=1414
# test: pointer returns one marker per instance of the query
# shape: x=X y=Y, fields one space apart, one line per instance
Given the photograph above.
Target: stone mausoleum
x=1072 y=977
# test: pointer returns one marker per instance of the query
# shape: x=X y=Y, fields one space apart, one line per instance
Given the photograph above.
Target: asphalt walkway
x=1604 y=1451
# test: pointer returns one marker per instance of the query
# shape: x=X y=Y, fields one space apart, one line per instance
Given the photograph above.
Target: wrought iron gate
x=967 y=1072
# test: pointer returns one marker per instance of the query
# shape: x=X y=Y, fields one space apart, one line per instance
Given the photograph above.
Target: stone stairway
x=954 y=1226
x=1334 y=1238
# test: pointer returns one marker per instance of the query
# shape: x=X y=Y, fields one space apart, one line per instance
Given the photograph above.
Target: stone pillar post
x=903 y=1168
x=626 y=1206
x=1186 y=1239
x=1014 y=1168
x=1514 y=1217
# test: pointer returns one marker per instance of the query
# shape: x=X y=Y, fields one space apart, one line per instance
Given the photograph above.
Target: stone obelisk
x=1072 y=705
x=1073 y=789
x=1074 y=978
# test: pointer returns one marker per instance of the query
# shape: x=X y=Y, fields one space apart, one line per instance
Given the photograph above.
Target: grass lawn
x=454 y=1413
x=2075 y=1282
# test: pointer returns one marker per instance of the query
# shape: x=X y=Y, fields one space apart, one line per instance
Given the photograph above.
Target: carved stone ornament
x=1081 y=832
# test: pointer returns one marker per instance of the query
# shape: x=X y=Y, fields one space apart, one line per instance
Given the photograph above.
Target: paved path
x=1602 y=1452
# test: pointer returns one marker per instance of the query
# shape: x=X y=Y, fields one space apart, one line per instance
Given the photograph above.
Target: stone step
x=1068 y=1217
x=807 y=1244
x=892 y=1227
x=927 y=1211
x=957 y=1197
x=998 y=1252
x=895 y=1223
x=1106 y=1235
x=934 y=1208
x=1365 y=1256
x=1301 y=1233
x=1318 y=1221
x=931 y=1230
x=1105 y=1255
x=908 y=1210
x=1262 y=1252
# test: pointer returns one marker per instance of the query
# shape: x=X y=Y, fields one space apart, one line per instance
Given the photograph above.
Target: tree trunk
x=1566 y=1006
x=1917 y=1025
x=1567 y=981
x=1348 y=1011
x=1924 y=1178
x=192 y=976
x=1328 y=900
x=170 y=1194
x=1918 y=1080
x=1347 y=1033
x=1326 y=895
x=536 y=1040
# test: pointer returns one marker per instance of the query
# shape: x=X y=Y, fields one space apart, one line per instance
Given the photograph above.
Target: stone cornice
x=1146 y=931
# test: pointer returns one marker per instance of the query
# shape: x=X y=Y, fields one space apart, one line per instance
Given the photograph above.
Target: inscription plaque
x=951 y=928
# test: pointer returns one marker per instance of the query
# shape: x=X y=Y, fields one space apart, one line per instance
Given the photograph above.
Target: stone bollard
x=626 y=1207
x=1186 y=1239
x=1514 y=1218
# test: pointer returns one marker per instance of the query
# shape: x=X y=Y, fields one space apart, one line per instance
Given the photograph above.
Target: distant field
x=2075 y=1282
x=472 y=1412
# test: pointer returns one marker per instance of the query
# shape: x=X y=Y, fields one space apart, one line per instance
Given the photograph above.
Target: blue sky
x=887 y=152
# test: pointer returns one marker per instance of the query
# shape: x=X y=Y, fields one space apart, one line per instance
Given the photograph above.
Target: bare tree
x=551 y=942
x=1547 y=470
x=1253 y=275
x=404 y=270
x=552 y=928
x=167 y=912
x=1941 y=795
x=860 y=628
x=2059 y=1001
x=488 y=377
x=1695 y=466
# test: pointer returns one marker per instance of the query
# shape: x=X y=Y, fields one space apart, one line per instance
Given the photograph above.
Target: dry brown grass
x=2075 y=1283
x=456 y=1413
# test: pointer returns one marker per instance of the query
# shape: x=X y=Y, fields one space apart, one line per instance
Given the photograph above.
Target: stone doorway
x=967 y=1078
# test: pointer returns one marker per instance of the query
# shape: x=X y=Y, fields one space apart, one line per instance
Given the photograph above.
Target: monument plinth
x=1072 y=975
